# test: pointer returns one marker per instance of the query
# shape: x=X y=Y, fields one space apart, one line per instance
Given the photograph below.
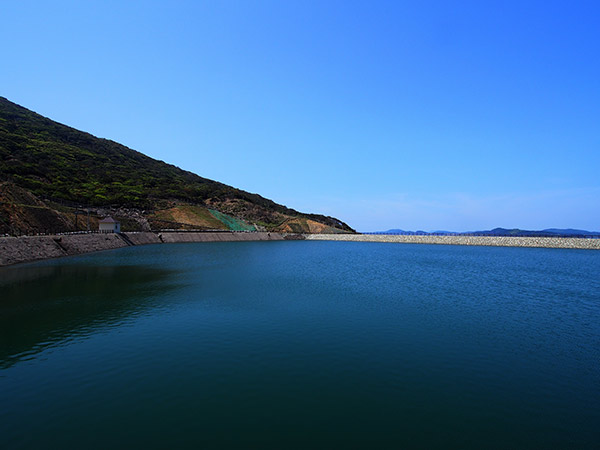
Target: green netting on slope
x=231 y=222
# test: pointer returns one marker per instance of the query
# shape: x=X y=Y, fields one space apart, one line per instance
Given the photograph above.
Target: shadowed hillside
x=44 y=164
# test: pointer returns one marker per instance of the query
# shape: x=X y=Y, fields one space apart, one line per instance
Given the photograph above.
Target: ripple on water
x=300 y=344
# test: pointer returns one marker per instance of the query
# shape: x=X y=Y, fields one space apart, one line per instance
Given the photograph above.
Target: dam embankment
x=14 y=250
x=497 y=241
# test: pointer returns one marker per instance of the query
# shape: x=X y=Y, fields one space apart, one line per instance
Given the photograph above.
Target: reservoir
x=302 y=344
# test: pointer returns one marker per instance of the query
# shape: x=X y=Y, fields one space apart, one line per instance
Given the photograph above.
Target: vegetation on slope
x=54 y=161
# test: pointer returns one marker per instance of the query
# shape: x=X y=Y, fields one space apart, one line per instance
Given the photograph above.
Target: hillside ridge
x=516 y=232
x=52 y=166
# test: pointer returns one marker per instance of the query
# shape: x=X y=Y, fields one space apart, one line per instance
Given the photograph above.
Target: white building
x=110 y=225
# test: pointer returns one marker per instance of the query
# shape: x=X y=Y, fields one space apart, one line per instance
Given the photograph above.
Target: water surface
x=302 y=345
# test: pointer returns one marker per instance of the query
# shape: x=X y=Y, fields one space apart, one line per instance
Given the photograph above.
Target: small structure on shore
x=109 y=225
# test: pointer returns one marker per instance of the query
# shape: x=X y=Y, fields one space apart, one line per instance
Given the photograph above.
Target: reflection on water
x=45 y=306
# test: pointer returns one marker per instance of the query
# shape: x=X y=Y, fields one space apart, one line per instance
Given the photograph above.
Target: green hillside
x=54 y=161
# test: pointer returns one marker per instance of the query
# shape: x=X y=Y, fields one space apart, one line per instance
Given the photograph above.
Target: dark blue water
x=302 y=345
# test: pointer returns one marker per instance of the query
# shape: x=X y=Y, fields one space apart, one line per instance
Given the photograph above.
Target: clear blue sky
x=414 y=115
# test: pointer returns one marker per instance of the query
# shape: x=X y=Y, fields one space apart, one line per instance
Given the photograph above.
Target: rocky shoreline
x=497 y=241
x=15 y=250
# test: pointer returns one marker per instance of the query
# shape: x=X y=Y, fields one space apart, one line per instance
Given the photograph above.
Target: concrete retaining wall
x=15 y=250
x=500 y=241
x=143 y=238
x=28 y=248
x=76 y=244
x=225 y=236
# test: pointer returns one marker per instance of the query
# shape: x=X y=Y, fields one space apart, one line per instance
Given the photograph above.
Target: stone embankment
x=15 y=250
x=173 y=237
x=498 y=241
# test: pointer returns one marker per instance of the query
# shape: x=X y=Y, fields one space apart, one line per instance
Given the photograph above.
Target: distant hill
x=571 y=232
x=46 y=169
x=399 y=231
x=392 y=231
x=547 y=232
x=512 y=232
x=501 y=232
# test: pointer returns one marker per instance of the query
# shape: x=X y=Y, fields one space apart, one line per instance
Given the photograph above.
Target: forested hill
x=49 y=160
